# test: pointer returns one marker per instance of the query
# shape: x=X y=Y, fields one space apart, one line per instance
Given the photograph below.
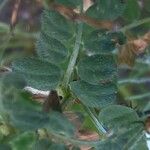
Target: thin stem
x=99 y=126
x=76 y=142
x=134 y=81
x=6 y=29
x=73 y=57
x=134 y=24
x=138 y=97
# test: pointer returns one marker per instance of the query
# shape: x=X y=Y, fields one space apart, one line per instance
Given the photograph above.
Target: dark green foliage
x=132 y=11
x=23 y=113
x=13 y=80
x=56 y=26
x=24 y=141
x=104 y=68
x=4 y=147
x=50 y=49
x=98 y=41
x=44 y=75
x=70 y=3
x=59 y=124
x=27 y=115
x=120 y=116
x=147 y=5
x=79 y=63
x=95 y=95
x=45 y=144
x=110 y=9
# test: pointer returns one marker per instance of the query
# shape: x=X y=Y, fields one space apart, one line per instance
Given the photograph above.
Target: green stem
x=6 y=29
x=76 y=142
x=138 y=97
x=99 y=126
x=134 y=24
x=73 y=57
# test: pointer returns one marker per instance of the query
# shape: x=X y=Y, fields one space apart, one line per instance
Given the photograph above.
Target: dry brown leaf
x=129 y=51
x=15 y=14
x=74 y=15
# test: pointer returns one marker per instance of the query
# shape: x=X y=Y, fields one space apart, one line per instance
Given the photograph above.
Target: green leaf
x=5 y=147
x=94 y=69
x=132 y=11
x=147 y=5
x=130 y=138
x=94 y=95
x=13 y=80
x=140 y=144
x=116 y=116
x=38 y=74
x=45 y=144
x=98 y=41
x=108 y=145
x=50 y=49
x=59 y=124
x=24 y=114
x=56 y=26
x=24 y=141
x=106 y=9
x=56 y=34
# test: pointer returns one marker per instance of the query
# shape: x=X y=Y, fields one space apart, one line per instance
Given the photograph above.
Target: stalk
x=134 y=24
x=73 y=57
x=99 y=126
